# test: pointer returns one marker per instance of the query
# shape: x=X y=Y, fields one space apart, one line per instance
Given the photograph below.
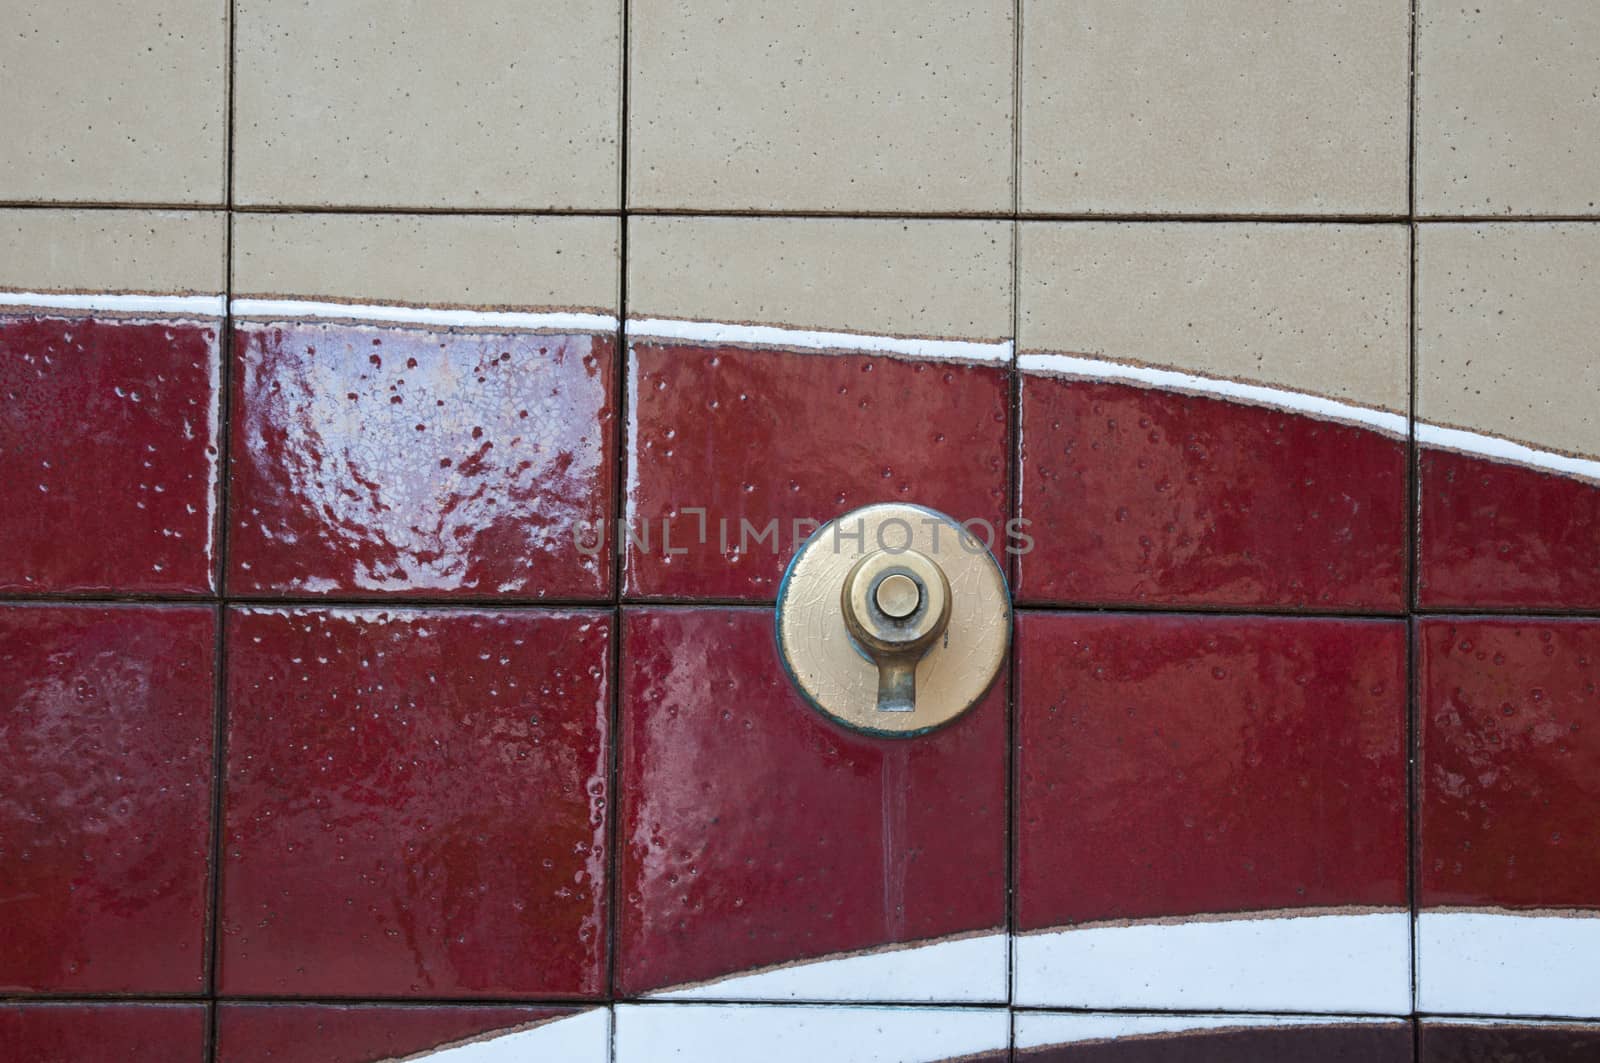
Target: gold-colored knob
x=893 y=620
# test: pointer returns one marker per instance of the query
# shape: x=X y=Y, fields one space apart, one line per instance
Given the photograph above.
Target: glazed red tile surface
x=1501 y=536
x=102 y=1033
x=431 y=463
x=415 y=803
x=106 y=724
x=1510 y=763
x=1444 y=1042
x=107 y=433
x=317 y=1033
x=1386 y=1043
x=760 y=436
x=1207 y=765
x=1138 y=496
x=755 y=833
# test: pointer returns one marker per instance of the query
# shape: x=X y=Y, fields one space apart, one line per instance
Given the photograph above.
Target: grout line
x=1412 y=538
x=1010 y=809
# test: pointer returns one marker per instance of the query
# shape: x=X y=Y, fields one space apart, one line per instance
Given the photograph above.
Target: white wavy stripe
x=968 y=970
x=162 y=305
x=1251 y=394
x=1039 y=1029
x=581 y=1038
x=1497 y=449
x=807 y=339
x=1503 y=963
x=1355 y=963
x=788 y=1033
x=543 y=321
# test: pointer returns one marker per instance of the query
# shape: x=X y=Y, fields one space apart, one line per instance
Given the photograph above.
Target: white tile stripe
x=779 y=1033
x=1251 y=394
x=165 y=305
x=1350 y=963
x=1041 y=1029
x=969 y=970
x=1505 y=450
x=1477 y=444
x=985 y=351
x=1504 y=963
x=546 y=321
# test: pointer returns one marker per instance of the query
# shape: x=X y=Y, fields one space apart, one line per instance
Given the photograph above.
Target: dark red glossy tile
x=1510 y=769
x=1088 y=1038
x=1222 y=792
x=371 y=460
x=1507 y=1042
x=1509 y=867
x=106 y=724
x=1501 y=536
x=320 y=1033
x=107 y=431
x=416 y=803
x=1138 y=496
x=754 y=437
x=102 y=1033
x=757 y=835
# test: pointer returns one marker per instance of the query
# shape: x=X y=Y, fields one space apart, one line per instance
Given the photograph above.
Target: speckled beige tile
x=158 y=252
x=1508 y=107
x=1507 y=320
x=1231 y=107
x=499 y=261
x=946 y=279
x=113 y=101
x=894 y=106
x=1315 y=308
x=413 y=103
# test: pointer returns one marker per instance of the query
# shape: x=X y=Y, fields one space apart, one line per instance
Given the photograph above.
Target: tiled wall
x=325 y=327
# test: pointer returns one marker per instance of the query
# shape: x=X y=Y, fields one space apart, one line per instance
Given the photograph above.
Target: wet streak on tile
x=755 y=833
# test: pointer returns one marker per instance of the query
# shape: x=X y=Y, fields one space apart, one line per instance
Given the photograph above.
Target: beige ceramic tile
x=113 y=101
x=1508 y=107
x=498 y=261
x=1319 y=309
x=151 y=251
x=890 y=106
x=420 y=103
x=1227 y=107
x=1508 y=331
x=946 y=279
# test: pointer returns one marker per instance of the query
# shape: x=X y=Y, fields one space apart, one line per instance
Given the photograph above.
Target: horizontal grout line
x=208 y=306
x=716 y=332
x=398 y=314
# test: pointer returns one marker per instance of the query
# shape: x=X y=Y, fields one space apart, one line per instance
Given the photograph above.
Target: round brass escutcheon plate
x=887 y=590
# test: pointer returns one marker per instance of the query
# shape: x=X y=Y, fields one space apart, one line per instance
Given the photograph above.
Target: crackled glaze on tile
x=416 y=803
x=105 y=823
x=757 y=834
x=90 y=1033
x=323 y=1033
x=1508 y=879
x=1237 y=790
x=371 y=459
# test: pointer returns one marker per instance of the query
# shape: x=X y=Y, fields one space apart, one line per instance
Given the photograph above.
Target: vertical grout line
x=618 y=502
x=1013 y=505
x=1412 y=538
x=224 y=434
